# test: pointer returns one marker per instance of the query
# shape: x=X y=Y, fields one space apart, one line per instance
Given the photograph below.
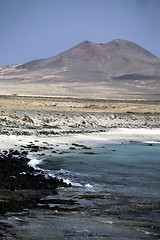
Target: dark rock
x=89 y=153
x=17 y=175
x=77 y=145
x=63 y=152
x=85 y=147
x=80 y=145
x=44 y=148
x=93 y=196
x=42 y=154
x=59 y=201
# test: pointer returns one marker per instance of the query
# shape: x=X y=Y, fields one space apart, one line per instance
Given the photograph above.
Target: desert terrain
x=43 y=116
x=33 y=103
x=92 y=92
x=38 y=126
x=118 y=69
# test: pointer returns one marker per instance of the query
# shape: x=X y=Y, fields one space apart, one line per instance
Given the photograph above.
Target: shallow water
x=115 y=194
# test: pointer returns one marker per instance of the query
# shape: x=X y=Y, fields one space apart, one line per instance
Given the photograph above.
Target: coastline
x=115 y=135
x=47 y=132
x=34 y=149
x=66 y=203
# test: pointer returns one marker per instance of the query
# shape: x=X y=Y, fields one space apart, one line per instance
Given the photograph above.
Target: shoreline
x=43 y=130
x=31 y=201
x=115 y=135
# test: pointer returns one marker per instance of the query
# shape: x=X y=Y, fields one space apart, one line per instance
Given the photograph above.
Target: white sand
x=112 y=136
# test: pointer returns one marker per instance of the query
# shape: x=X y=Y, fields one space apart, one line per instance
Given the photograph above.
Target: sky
x=36 y=29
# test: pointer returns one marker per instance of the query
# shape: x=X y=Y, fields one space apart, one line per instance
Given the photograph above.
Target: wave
x=69 y=177
x=106 y=222
x=146 y=232
x=151 y=142
x=60 y=174
x=34 y=162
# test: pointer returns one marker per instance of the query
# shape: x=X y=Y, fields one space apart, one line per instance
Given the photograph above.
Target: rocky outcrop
x=20 y=184
x=74 y=122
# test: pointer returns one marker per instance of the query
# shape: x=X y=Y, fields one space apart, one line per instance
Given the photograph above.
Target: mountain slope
x=119 y=64
x=108 y=58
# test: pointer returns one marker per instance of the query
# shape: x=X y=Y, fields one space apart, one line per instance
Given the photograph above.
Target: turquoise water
x=129 y=169
x=115 y=190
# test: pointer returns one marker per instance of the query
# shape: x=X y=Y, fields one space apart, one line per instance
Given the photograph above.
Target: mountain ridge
x=116 y=44
x=117 y=66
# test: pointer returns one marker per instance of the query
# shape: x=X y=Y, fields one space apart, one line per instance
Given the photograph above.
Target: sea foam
x=34 y=162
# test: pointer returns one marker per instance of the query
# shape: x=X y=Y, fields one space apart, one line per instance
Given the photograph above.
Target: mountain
x=118 y=66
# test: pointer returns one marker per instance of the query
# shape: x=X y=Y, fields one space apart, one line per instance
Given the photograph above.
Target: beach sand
x=43 y=126
x=120 y=135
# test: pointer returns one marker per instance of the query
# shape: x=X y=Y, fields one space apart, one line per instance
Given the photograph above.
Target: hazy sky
x=33 y=29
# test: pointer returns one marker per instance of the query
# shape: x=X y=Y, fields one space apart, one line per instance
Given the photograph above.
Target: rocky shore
x=15 y=172
x=60 y=123
x=16 y=176
x=20 y=184
x=27 y=131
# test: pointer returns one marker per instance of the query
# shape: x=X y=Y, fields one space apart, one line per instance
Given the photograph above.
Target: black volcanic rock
x=22 y=186
x=16 y=174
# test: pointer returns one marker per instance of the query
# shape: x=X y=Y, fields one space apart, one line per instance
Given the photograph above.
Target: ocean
x=115 y=193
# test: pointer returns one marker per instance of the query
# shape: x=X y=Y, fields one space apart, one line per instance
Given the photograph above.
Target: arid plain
x=32 y=103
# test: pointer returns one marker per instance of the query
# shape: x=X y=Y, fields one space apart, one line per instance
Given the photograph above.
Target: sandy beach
x=119 y=135
x=33 y=129
x=59 y=122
